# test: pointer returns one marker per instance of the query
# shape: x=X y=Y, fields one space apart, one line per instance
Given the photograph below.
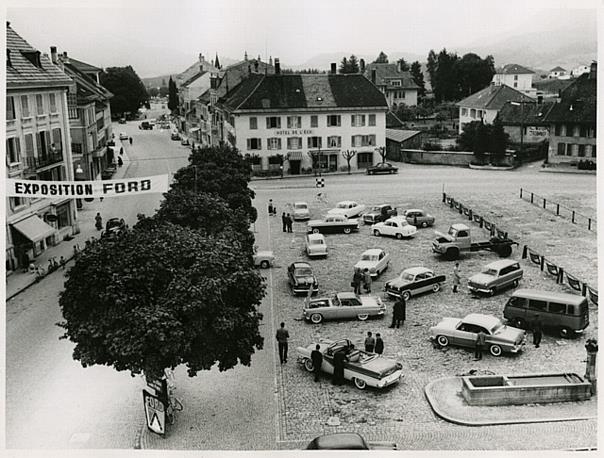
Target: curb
x=452 y=419
x=309 y=175
x=138 y=440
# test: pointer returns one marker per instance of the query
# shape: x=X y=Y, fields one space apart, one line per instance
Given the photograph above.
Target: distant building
x=517 y=77
x=398 y=140
x=573 y=121
x=579 y=70
x=557 y=72
x=397 y=85
x=550 y=89
x=486 y=103
x=526 y=121
x=293 y=117
x=39 y=101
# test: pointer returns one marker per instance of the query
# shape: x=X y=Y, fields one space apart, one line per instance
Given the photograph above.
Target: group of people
x=287 y=221
x=272 y=210
x=361 y=279
x=374 y=344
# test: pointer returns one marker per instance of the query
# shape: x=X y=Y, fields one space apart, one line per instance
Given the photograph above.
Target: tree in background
x=483 y=139
x=153 y=92
x=403 y=65
x=474 y=73
x=446 y=80
x=172 y=95
x=349 y=65
x=383 y=152
x=498 y=141
x=348 y=154
x=129 y=92
x=431 y=65
x=382 y=58
x=418 y=78
x=344 y=66
x=163 y=91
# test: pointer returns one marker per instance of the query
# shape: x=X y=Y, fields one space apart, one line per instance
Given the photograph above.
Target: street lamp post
x=521 y=104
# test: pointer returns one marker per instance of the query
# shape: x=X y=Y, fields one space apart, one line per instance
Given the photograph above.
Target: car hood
x=365 y=264
x=380 y=365
x=315 y=221
x=510 y=334
x=397 y=283
x=482 y=279
x=264 y=254
x=369 y=300
x=440 y=235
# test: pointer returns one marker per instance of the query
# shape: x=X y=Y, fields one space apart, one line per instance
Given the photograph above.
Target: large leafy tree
x=349 y=65
x=163 y=295
x=129 y=92
x=403 y=65
x=474 y=73
x=418 y=78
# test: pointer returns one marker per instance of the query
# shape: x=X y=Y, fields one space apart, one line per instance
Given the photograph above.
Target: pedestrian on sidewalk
x=98 y=219
x=120 y=162
x=480 y=343
x=317 y=361
x=289 y=222
x=379 y=344
x=282 y=336
x=283 y=221
x=399 y=312
x=537 y=332
x=62 y=262
x=271 y=208
x=357 y=279
x=131 y=140
x=121 y=150
x=456 y=278
x=367 y=280
x=369 y=342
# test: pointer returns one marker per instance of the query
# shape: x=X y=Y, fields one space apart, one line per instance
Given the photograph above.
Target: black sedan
x=301 y=278
x=382 y=167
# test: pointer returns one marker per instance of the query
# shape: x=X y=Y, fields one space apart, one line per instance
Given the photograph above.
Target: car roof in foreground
x=549 y=295
x=314 y=236
x=416 y=270
x=372 y=251
x=346 y=295
x=488 y=321
x=300 y=203
x=501 y=263
x=297 y=264
x=460 y=227
x=414 y=210
x=340 y=441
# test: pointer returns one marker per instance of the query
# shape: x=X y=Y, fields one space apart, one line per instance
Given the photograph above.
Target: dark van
x=567 y=314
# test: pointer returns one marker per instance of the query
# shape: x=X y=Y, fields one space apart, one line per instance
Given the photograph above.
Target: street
x=52 y=402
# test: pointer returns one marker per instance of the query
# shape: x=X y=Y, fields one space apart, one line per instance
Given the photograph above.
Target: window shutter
x=39 y=142
x=268 y=123
x=249 y=143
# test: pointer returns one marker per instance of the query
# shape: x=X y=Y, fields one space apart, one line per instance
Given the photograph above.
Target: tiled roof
x=531 y=114
x=578 y=102
x=493 y=97
x=232 y=75
x=558 y=69
x=513 y=69
x=399 y=135
x=87 y=88
x=386 y=73
x=289 y=91
x=23 y=72
x=392 y=121
x=552 y=85
x=83 y=66
x=193 y=79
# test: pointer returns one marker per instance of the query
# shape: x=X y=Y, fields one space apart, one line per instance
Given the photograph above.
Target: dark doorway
x=294 y=167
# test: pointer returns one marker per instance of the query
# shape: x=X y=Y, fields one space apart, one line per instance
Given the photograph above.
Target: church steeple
x=217 y=62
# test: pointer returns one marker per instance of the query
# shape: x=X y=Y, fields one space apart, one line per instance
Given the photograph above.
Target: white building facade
x=517 y=77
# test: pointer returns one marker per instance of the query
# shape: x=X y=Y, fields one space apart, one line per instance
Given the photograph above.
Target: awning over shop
x=294 y=156
x=34 y=228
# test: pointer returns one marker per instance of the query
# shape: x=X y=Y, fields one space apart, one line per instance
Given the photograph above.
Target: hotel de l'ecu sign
x=294 y=132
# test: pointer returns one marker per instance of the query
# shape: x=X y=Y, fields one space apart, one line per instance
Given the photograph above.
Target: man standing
x=357 y=279
x=289 y=223
x=480 y=343
x=537 y=332
x=399 y=312
x=282 y=336
x=369 y=343
x=339 y=358
x=283 y=221
x=367 y=280
x=317 y=361
x=379 y=344
x=456 y=278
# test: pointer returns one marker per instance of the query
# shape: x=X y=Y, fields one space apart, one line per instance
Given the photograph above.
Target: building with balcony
x=397 y=85
x=90 y=121
x=38 y=147
x=301 y=121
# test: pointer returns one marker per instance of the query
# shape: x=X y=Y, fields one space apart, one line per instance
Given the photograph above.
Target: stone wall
x=437 y=157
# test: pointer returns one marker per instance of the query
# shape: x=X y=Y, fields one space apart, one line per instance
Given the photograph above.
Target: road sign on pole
x=319 y=182
x=155 y=412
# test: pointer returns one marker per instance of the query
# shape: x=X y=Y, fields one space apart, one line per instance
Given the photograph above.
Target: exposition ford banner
x=84 y=189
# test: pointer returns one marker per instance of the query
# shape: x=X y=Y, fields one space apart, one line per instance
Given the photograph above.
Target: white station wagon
x=348 y=208
x=397 y=226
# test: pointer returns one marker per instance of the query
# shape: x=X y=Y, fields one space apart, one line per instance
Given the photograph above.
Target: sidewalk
x=18 y=281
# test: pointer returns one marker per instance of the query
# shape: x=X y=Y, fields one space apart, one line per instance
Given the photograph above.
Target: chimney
x=539 y=99
x=373 y=75
x=256 y=66
x=399 y=67
x=277 y=66
x=333 y=68
x=362 y=65
x=65 y=58
x=245 y=56
x=200 y=57
x=53 y=54
x=593 y=70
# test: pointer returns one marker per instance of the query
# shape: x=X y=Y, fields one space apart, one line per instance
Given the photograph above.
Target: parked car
x=375 y=259
x=264 y=259
x=347 y=208
x=114 y=227
x=333 y=223
x=174 y=136
x=301 y=211
x=347 y=441
x=418 y=217
x=394 y=227
x=462 y=332
x=123 y=136
x=315 y=245
x=379 y=213
x=363 y=369
x=301 y=278
x=184 y=142
x=145 y=125
x=343 y=306
x=382 y=167
x=496 y=276
x=414 y=281
x=122 y=121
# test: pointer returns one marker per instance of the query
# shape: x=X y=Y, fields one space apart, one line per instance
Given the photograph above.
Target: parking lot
x=305 y=406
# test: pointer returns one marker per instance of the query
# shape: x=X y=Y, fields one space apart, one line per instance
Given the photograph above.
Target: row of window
x=399 y=94
x=295 y=122
x=474 y=113
x=46 y=143
x=563 y=130
x=40 y=105
x=294 y=143
x=577 y=150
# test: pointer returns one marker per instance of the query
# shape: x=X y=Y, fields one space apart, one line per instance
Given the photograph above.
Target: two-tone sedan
x=418 y=217
x=362 y=368
x=462 y=332
x=382 y=167
x=332 y=224
x=347 y=208
x=396 y=226
x=301 y=278
x=374 y=259
x=342 y=306
x=414 y=281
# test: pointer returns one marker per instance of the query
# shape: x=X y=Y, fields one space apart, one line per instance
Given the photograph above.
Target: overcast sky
x=158 y=37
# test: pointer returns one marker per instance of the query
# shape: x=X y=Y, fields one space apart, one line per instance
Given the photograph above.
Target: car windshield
x=369 y=257
x=404 y=223
x=376 y=209
x=300 y=206
x=407 y=276
x=303 y=271
x=488 y=271
x=342 y=205
x=497 y=328
x=316 y=242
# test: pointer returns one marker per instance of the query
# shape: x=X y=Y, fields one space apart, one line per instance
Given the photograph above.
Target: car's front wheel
x=515 y=283
x=424 y=224
x=407 y=295
x=566 y=333
x=347 y=230
x=436 y=287
x=316 y=318
x=399 y=235
x=495 y=350
x=308 y=365
x=363 y=316
x=443 y=341
x=376 y=233
x=359 y=383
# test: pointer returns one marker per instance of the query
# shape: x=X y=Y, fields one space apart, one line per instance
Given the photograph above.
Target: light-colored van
x=568 y=314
